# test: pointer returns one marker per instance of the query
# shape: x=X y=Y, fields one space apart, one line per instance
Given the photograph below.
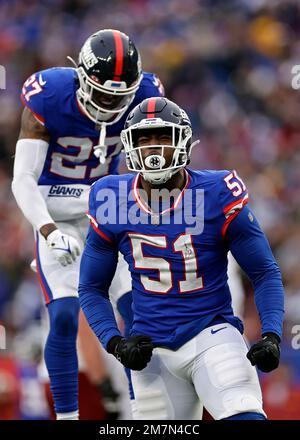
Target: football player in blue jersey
x=69 y=138
x=175 y=227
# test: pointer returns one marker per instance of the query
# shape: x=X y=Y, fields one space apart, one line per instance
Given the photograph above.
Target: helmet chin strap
x=72 y=61
x=159 y=178
x=100 y=150
x=194 y=144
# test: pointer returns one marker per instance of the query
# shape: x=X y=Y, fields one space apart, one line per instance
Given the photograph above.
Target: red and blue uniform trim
x=37 y=116
x=42 y=280
x=95 y=226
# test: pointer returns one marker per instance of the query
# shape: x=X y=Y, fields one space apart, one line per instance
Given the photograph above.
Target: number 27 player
x=73 y=117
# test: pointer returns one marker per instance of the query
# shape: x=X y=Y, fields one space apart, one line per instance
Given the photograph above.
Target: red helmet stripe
x=151 y=108
x=119 y=55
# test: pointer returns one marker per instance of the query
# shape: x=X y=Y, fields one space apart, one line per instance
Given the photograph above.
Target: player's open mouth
x=107 y=101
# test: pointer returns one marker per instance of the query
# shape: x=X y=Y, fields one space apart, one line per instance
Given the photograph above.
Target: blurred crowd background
x=228 y=63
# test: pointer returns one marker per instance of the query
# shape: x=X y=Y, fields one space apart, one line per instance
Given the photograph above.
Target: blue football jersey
x=51 y=97
x=178 y=258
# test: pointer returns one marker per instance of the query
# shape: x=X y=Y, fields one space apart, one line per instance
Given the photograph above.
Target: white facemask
x=153 y=167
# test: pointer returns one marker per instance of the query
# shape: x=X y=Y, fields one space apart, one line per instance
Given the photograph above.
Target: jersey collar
x=144 y=206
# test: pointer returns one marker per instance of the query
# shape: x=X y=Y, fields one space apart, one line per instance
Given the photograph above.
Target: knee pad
x=63 y=315
x=152 y=404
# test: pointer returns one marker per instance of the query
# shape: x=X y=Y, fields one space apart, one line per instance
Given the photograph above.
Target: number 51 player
x=186 y=344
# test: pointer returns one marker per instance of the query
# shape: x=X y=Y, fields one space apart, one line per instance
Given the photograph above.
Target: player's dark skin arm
x=32 y=129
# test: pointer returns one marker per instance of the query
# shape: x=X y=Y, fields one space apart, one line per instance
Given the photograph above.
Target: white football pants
x=62 y=281
x=211 y=368
x=59 y=281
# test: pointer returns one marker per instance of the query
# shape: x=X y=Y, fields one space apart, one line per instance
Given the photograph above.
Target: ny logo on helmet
x=88 y=57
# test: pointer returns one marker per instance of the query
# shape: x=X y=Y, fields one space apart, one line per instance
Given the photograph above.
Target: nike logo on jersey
x=216 y=331
x=41 y=81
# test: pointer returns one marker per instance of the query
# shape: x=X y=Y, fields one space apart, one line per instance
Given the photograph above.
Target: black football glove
x=266 y=353
x=134 y=352
x=110 y=399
